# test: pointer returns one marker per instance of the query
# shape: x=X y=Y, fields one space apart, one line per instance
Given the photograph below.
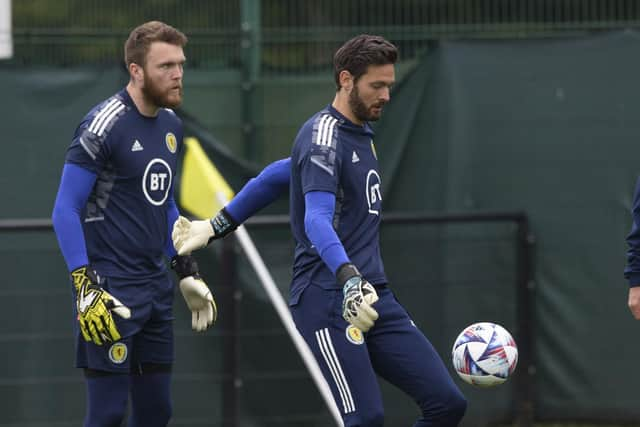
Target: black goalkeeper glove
x=359 y=295
x=188 y=235
x=95 y=306
x=204 y=311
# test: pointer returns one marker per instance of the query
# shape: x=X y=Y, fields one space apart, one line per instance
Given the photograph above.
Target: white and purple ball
x=484 y=354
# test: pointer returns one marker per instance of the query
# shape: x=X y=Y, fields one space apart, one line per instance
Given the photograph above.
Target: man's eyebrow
x=169 y=62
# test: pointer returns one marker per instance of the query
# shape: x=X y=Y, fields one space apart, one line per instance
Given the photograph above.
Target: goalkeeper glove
x=188 y=235
x=359 y=295
x=204 y=311
x=95 y=306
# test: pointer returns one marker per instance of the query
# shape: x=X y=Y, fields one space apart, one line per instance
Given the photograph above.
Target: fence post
x=250 y=46
x=525 y=297
x=229 y=316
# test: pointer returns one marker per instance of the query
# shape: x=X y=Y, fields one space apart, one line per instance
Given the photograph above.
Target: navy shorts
x=147 y=337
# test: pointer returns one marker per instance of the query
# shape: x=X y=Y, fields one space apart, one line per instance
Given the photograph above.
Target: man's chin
x=374 y=114
x=172 y=101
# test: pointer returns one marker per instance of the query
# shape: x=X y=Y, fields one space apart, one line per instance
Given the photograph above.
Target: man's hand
x=634 y=301
x=188 y=235
x=95 y=306
x=359 y=295
x=200 y=301
x=197 y=295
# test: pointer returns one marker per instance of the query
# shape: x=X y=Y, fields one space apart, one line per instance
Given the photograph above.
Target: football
x=484 y=354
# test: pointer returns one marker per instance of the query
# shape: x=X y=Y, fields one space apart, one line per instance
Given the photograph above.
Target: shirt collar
x=126 y=98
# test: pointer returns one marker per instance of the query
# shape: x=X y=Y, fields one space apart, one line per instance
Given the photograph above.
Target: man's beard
x=359 y=108
x=159 y=97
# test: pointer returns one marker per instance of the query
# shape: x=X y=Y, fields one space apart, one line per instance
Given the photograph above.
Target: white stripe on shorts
x=330 y=357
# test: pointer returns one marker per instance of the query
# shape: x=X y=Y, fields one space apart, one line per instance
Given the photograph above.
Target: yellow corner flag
x=201 y=183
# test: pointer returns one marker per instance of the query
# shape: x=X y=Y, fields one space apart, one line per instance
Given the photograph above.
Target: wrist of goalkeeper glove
x=95 y=307
x=222 y=224
x=359 y=296
x=188 y=235
x=197 y=295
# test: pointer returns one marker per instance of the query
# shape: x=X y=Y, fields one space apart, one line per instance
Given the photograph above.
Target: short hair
x=140 y=39
x=360 y=52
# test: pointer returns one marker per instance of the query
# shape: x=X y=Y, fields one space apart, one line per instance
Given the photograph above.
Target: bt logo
x=374 y=195
x=156 y=181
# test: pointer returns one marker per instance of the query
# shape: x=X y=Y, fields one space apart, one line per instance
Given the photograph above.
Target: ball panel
x=512 y=356
x=476 y=349
x=484 y=381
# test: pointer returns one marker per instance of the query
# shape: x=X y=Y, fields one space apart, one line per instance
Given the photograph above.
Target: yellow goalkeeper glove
x=95 y=306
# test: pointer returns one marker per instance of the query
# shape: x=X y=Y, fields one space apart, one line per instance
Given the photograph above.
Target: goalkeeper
x=340 y=300
x=112 y=216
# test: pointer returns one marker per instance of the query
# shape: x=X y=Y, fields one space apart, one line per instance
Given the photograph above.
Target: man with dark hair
x=113 y=216
x=340 y=298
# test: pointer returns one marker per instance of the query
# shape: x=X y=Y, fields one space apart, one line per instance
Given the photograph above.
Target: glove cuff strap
x=185 y=265
x=84 y=274
x=222 y=224
x=345 y=272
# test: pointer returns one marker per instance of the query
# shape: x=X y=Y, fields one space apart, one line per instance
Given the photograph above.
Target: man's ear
x=346 y=80
x=136 y=72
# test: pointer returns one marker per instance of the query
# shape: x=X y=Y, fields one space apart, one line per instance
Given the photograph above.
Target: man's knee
x=456 y=408
x=105 y=416
x=151 y=396
x=372 y=418
x=159 y=417
x=448 y=412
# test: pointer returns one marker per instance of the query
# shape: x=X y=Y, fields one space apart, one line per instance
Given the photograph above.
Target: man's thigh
x=341 y=351
x=147 y=337
x=154 y=342
x=401 y=354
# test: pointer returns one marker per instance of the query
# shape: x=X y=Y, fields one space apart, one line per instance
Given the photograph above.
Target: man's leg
x=107 y=395
x=151 y=368
x=402 y=355
x=343 y=358
x=151 y=396
x=107 y=367
x=106 y=370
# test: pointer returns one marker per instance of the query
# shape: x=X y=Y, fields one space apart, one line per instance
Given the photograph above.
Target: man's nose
x=385 y=94
x=177 y=73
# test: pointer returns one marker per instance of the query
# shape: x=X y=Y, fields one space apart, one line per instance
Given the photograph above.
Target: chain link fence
x=292 y=35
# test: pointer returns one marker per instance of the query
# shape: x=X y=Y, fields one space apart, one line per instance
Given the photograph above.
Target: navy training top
x=332 y=154
x=130 y=210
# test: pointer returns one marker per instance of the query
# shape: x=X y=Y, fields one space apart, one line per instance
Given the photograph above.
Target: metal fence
x=245 y=371
x=72 y=32
x=292 y=35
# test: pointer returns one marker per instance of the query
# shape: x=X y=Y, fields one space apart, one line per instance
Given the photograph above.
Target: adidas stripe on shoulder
x=106 y=116
x=99 y=125
x=325 y=132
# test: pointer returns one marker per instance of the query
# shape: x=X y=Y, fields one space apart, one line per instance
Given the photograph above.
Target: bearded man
x=113 y=216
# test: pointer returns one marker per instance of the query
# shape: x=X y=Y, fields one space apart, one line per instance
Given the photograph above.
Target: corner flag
x=201 y=184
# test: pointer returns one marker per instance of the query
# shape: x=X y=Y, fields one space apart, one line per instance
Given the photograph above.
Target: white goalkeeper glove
x=359 y=296
x=188 y=235
x=197 y=295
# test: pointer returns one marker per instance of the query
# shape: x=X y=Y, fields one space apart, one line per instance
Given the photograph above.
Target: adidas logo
x=137 y=146
x=355 y=158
